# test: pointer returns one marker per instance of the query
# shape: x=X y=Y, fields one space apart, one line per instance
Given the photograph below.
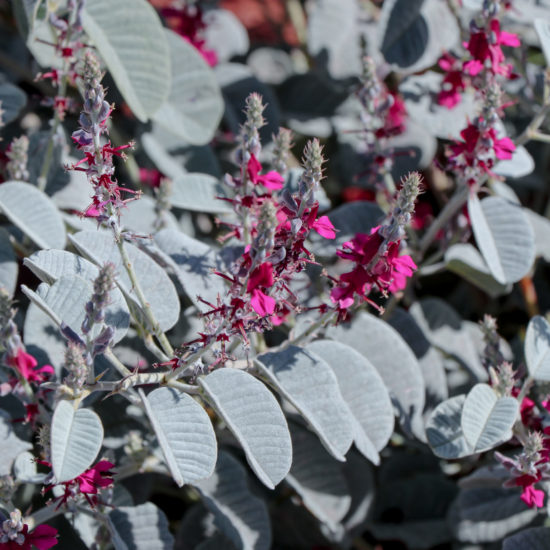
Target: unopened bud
x=77 y=367
x=281 y=150
x=502 y=379
x=312 y=162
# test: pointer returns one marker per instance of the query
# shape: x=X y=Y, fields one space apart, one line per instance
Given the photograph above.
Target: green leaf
x=239 y=514
x=414 y=34
x=142 y=527
x=535 y=538
x=318 y=478
x=489 y=514
x=195 y=106
x=12 y=100
x=252 y=413
x=65 y=301
x=8 y=263
x=399 y=369
x=487 y=419
x=444 y=430
x=34 y=213
x=465 y=260
x=363 y=391
x=11 y=446
x=543 y=30
x=76 y=438
x=311 y=386
x=184 y=432
x=155 y=283
x=537 y=348
x=504 y=236
x=193 y=264
x=199 y=192
x=429 y=359
x=129 y=36
x=445 y=329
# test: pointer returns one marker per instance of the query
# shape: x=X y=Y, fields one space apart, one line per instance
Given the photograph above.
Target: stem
x=532 y=129
x=42 y=515
x=528 y=382
x=149 y=315
x=314 y=327
x=119 y=366
x=450 y=209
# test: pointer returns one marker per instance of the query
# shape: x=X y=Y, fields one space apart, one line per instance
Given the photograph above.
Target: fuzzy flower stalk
x=377 y=259
x=383 y=116
x=259 y=281
x=483 y=63
x=15 y=535
x=98 y=153
x=18 y=157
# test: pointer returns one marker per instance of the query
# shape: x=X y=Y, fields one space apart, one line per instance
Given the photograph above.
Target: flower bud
x=18 y=158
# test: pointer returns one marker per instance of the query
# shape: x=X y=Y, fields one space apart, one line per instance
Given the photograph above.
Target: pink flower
x=483 y=47
x=533 y=497
x=324 y=227
x=261 y=278
x=453 y=82
x=271 y=180
x=26 y=364
x=400 y=267
x=42 y=537
x=88 y=483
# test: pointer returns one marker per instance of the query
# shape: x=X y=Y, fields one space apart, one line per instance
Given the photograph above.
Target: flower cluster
x=474 y=156
x=24 y=364
x=382 y=117
x=188 y=21
x=68 y=35
x=376 y=256
x=529 y=467
x=88 y=484
x=107 y=200
x=15 y=535
x=485 y=61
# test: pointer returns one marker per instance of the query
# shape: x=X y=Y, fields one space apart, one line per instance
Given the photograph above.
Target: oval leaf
x=504 y=236
x=364 y=392
x=311 y=386
x=240 y=515
x=142 y=527
x=129 y=36
x=252 y=413
x=34 y=213
x=535 y=538
x=487 y=419
x=465 y=260
x=537 y=348
x=399 y=369
x=198 y=192
x=8 y=263
x=444 y=430
x=76 y=438
x=318 y=478
x=195 y=106
x=193 y=263
x=184 y=432
x=65 y=301
x=11 y=446
x=155 y=283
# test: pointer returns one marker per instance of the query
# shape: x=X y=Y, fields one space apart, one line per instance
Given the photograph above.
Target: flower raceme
x=87 y=484
x=377 y=264
x=15 y=535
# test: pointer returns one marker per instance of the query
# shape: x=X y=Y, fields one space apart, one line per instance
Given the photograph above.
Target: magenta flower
x=533 y=497
x=261 y=278
x=14 y=535
x=87 y=483
x=271 y=180
x=324 y=227
x=486 y=46
x=453 y=82
x=26 y=364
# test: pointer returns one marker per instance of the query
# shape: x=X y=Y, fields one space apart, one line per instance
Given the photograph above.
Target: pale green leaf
x=76 y=438
x=252 y=413
x=537 y=348
x=129 y=36
x=184 y=432
x=34 y=213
